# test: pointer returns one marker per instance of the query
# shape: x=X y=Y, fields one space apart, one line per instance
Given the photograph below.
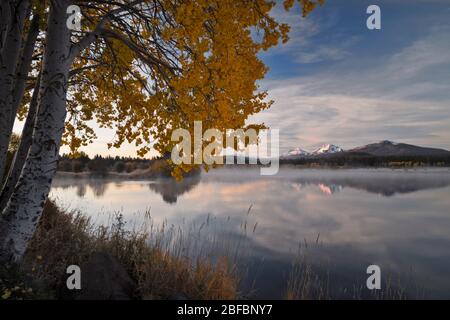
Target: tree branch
x=77 y=48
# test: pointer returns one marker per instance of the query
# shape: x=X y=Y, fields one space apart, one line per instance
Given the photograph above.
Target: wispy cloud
x=399 y=96
x=433 y=50
x=302 y=45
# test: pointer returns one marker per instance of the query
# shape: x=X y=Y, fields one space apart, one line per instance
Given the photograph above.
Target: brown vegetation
x=63 y=239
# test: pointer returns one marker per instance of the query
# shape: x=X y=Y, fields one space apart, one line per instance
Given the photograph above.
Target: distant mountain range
x=381 y=149
x=325 y=149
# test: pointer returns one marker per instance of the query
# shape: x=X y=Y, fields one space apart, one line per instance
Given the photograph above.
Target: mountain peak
x=297 y=152
x=387 y=142
x=327 y=149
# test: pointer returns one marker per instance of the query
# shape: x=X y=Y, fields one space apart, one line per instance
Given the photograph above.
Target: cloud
x=402 y=96
x=302 y=45
x=351 y=121
x=430 y=51
x=328 y=52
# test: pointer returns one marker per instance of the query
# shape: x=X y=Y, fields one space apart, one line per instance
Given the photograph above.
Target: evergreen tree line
x=365 y=160
x=100 y=164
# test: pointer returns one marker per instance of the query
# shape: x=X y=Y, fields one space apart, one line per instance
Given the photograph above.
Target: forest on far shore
x=348 y=159
x=102 y=165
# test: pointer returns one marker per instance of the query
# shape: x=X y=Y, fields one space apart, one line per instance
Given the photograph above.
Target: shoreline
x=144 y=174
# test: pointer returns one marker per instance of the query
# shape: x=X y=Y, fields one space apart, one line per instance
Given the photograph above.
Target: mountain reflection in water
x=382 y=181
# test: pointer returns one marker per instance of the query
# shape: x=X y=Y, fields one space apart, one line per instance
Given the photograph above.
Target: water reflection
x=170 y=189
x=398 y=220
x=385 y=185
x=383 y=182
x=97 y=186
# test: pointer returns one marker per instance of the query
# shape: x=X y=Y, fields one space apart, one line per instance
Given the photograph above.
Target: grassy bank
x=64 y=239
x=163 y=270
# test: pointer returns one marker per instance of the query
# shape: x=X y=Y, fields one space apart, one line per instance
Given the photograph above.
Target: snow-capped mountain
x=324 y=150
x=327 y=149
x=383 y=148
x=296 y=152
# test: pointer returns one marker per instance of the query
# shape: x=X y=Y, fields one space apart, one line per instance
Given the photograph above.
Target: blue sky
x=338 y=82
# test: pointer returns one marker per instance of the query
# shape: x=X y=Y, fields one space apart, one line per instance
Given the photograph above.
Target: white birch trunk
x=19 y=89
x=22 y=152
x=8 y=62
x=23 y=211
x=23 y=68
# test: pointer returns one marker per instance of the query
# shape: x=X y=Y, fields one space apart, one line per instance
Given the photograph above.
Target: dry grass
x=307 y=283
x=304 y=282
x=65 y=238
x=162 y=264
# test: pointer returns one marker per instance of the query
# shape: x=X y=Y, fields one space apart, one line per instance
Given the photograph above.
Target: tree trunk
x=18 y=92
x=8 y=63
x=5 y=19
x=22 y=152
x=24 y=68
x=23 y=211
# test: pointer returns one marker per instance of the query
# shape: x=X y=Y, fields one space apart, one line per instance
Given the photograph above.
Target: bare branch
x=91 y=36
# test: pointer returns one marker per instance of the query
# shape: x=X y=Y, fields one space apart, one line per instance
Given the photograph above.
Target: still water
x=345 y=220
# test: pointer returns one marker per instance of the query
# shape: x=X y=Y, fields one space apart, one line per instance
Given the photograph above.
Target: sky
x=338 y=82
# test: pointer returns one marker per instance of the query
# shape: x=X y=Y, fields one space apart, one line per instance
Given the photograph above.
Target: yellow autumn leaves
x=182 y=61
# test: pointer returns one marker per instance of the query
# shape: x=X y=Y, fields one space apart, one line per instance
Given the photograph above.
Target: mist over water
x=348 y=219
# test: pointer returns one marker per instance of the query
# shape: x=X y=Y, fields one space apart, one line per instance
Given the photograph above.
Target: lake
x=339 y=221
